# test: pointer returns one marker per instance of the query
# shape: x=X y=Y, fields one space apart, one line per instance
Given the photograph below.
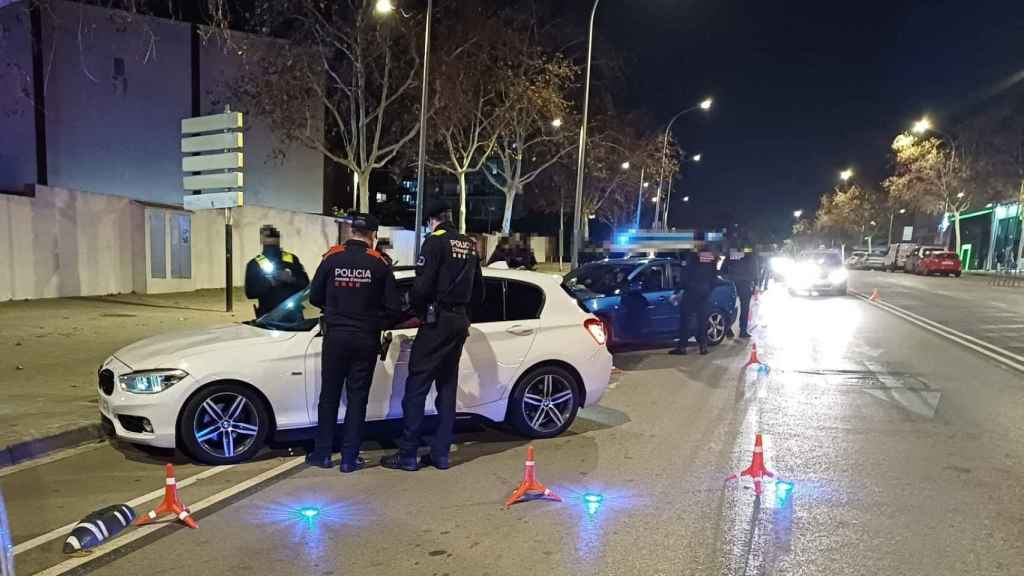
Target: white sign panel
x=213 y=200
x=226 y=161
x=225 y=141
x=225 y=121
x=908 y=233
x=213 y=181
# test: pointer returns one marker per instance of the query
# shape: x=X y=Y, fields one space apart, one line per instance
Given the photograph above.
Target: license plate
x=104 y=406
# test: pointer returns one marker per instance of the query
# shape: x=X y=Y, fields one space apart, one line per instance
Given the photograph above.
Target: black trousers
x=744 y=290
x=697 y=310
x=347 y=360
x=434 y=359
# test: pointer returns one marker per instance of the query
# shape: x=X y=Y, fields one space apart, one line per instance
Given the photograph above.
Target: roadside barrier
x=757 y=470
x=170 y=505
x=1007 y=278
x=97 y=527
x=530 y=488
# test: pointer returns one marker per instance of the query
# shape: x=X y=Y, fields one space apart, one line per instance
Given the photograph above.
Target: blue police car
x=634 y=298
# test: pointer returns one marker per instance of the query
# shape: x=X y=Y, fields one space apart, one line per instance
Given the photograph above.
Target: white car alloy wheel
x=544 y=402
x=224 y=423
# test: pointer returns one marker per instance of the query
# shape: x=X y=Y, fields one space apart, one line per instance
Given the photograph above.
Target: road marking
x=1001 y=355
x=143 y=531
x=59 y=532
x=55 y=457
x=920 y=402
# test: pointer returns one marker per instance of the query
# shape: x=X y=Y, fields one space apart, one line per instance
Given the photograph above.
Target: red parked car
x=942 y=263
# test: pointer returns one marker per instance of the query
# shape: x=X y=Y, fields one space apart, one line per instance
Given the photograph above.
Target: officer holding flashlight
x=274 y=275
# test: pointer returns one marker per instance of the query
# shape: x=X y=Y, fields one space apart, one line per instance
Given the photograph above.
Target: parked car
x=875 y=260
x=855 y=261
x=634 y=299
x=914 y=258
x=896 y=257
x=219 y=393
x=819 y=271
x=938 y=262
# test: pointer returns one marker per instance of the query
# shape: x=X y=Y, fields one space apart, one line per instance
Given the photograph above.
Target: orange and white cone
x=530 y=488
x=757 y=470
x=753 y=357
x=170 y=505
x=874 y=296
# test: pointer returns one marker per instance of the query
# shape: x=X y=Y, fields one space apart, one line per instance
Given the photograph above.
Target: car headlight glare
x=151 y=381
x=838 y=276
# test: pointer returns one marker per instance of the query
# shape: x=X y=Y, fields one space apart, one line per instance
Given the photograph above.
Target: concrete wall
x=17 y=136
x=119 y=133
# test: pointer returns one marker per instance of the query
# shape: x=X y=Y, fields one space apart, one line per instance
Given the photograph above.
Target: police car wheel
x=716 y=327
x=544 y=402
x=224 y=424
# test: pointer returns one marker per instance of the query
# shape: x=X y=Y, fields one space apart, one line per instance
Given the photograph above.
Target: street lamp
x=696 y=157
x=625 y=165
x=668 y=195
x=903 y=210
x=921 y=126
x=576 y=224
x=846 y=174
x=385 y=7
x=686 y=198
x=797 y=214
x=556 y=123
x=705 y=105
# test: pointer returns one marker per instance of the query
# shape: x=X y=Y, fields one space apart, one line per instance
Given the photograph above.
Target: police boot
x=352 y=464
x=319 y=460
x=439 y=462
x=703 y=349
x=398 y=461
x=678 y=351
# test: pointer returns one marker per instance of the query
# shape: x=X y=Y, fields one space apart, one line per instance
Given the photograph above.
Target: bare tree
x=363 y=70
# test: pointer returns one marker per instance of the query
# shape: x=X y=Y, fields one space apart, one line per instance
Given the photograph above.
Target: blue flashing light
x=592 y=502
x=623 y=239
x=309 y=512
x=783 y=491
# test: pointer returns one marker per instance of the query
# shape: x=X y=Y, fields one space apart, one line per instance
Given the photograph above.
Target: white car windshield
x=295 y=314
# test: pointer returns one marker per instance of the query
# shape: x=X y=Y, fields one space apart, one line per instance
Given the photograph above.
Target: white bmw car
x=532 y=359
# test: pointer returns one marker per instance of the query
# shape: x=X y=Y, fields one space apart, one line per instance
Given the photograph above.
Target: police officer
x=448 y=282
x=355 y=288
x=744 y=274
x=274 y=275
x=693 y=304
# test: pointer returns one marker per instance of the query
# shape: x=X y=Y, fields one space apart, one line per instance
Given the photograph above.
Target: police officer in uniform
x=700 y=273
x=448 y=282
x=744 y=274
x=274 y=275
x=355 y=288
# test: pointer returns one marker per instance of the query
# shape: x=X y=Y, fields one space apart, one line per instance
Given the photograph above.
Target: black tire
x=199 y=418
x=720 y=330
x=957 y=274
x=524 y=413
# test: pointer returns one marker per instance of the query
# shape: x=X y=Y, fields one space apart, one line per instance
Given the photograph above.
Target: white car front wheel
x=544 y=402
x=224 y=424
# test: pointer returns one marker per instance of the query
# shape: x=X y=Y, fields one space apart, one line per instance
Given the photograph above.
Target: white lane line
x=55 y=457
x=142 y=532
x=63 y=530
x=1001 y=355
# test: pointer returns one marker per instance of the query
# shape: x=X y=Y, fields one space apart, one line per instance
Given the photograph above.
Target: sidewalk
x=50 y=351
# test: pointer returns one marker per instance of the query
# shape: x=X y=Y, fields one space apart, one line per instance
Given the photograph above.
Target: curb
x=36 y=447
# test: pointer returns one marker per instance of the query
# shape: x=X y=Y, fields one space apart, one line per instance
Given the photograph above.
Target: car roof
x=540 y=278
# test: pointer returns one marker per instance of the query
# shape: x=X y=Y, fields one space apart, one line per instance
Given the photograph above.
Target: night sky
x=802 y=88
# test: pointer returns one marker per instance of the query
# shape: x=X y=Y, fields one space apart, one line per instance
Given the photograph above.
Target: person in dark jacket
x=700 y=273
x=355 y=288
x=274 y=275
x=744 y=274
x=501 y=253
x=448 y=283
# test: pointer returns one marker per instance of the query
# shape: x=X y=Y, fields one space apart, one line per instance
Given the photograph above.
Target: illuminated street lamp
x=696 y=157
x=625 y=165
x=704 y=105
x=556 y=123
x=686 y=198
x=668 y=195
x=797 y=214
x=921 y=126
x=903 y=210
x=959 y=194
x=846 y=174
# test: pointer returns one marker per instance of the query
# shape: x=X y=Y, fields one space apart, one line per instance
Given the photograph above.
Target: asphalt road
x=899 y=452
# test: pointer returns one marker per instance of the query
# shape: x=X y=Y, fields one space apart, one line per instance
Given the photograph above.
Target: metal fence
x=1008 y=278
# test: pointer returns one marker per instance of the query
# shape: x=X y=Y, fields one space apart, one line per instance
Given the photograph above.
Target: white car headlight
x=838 y=276
x=802 y=275
x=151 y=381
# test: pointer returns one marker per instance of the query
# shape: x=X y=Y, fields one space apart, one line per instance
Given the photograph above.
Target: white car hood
x=169 y=350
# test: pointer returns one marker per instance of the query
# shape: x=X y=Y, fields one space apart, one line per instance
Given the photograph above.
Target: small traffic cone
x=757 y=470
x=170 y=505
x=530 y=488
x=874 y=296
x=753 y=357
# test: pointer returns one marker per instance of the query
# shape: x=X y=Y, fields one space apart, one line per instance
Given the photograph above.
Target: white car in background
x=532 y=359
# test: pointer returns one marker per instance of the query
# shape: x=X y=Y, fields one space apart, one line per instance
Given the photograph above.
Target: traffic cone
x=874 y=296
x=757 y=470
x=530 y=488
x=170 y=505
x=753 y=357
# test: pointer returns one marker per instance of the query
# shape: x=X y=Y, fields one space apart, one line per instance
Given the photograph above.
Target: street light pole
x=640 y=197
x=583 y=145
x=423 y=134
x=704 y=105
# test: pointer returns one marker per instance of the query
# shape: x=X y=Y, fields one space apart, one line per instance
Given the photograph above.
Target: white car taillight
x=596 y=329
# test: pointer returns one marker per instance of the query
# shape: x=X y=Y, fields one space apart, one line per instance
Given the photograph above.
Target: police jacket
x=266 y=278
x=700 y=277
x=448 y=271
x=743 y=270
x=355 y=288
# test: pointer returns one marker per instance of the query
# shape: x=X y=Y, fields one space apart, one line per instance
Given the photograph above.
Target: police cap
x=364 y=223
x=268 y=231
x=436 y=209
